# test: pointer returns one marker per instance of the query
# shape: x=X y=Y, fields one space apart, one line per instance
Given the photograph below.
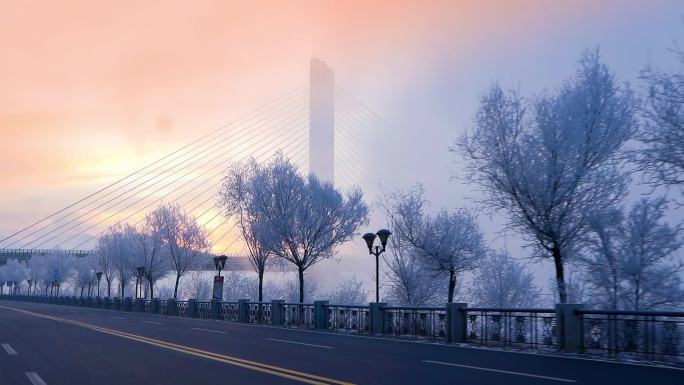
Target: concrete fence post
x=171 y=307
x=569 y=327
x=154 y=305
x=456 y=322
x=192 y=308
x=277 y=312
x=377 y=318
x=243 y=310
x=321 y=314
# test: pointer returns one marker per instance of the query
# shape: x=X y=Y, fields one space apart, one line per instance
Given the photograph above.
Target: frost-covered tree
x=15 y=272
x=234 y=198
x=292 y=291
x=408 y=281
x=349 y=292
x=122 y=256
x=150 y=252
x=651 y=270
x=35 y=267
x=661 y=158
x=304 y=219
x=105 y=249
x=84 y=274
x=197 y=286
x=186 y=241
x=550 y=160
x=236 y=285
x=501 y=281
x=3 y=280
x=603 y=256
x=448 y=243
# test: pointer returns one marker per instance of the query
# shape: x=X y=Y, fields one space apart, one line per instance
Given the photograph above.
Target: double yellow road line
x=235 y=361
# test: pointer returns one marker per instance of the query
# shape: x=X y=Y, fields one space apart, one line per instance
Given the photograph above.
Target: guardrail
x=651 y=336
x=415 y=322
x=516 y=328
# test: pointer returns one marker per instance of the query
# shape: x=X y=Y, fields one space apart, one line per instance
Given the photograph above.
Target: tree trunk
x=175 y=290
x=452 y=285
x=560 y=274
x=123 y=288
x=261 y=285
x=301 y=284
x=151 y=289
x=82 y=287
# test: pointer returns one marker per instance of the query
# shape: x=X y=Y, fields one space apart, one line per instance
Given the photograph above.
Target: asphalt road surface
x=62 y=345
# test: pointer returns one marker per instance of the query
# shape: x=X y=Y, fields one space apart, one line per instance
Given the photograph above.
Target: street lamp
x=138 y=282
x=220 y=263
x=99 y=277
x=383 y=234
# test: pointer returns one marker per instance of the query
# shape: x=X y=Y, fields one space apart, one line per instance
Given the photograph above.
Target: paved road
x=61 y=345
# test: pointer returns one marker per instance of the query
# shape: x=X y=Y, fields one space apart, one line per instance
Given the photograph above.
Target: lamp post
x=219 y=263
x=99 y=277
x=383 y=234
x=138 y=282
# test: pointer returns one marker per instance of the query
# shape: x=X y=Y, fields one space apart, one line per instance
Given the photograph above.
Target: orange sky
x=90 y=91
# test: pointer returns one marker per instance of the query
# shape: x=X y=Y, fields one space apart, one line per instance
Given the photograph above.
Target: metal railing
x=650 y=335
x=299 y=315
x=203 y=309
x=163 y=307
x=644 y=335
x=182 y=308
x=348 y=318
x=517 y=328
x=415 y=322
x=229 y=311
x=259 y=312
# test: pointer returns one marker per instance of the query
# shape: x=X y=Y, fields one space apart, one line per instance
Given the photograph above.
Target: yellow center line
x=252 y=365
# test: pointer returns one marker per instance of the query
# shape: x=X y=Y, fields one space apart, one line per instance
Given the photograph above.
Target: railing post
x=569 y=327
x=277 y=312
x=215 y=309
x=456 y=322
x=320 y=314
x=154 y=306
x=243 y=310
x=192 y=308
x=377 y=319
x=171 y=307
x=128 y=304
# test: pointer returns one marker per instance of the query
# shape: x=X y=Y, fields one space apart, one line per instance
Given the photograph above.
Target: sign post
x=218 y=288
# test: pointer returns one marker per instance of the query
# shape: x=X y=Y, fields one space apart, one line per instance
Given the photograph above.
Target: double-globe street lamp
x=383 y=234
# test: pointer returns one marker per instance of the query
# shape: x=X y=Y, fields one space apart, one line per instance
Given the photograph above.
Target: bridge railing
x=650 y=335
x=645 y=335
x=512 y=328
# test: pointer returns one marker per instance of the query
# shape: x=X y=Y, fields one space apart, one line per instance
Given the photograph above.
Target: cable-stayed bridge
x=320 y=127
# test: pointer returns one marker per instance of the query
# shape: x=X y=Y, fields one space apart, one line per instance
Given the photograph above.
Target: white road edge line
x=152 y=322
x=501 y=371
x=9 y=349
x=301 y=343
x=35 y=378
x=209 y=330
